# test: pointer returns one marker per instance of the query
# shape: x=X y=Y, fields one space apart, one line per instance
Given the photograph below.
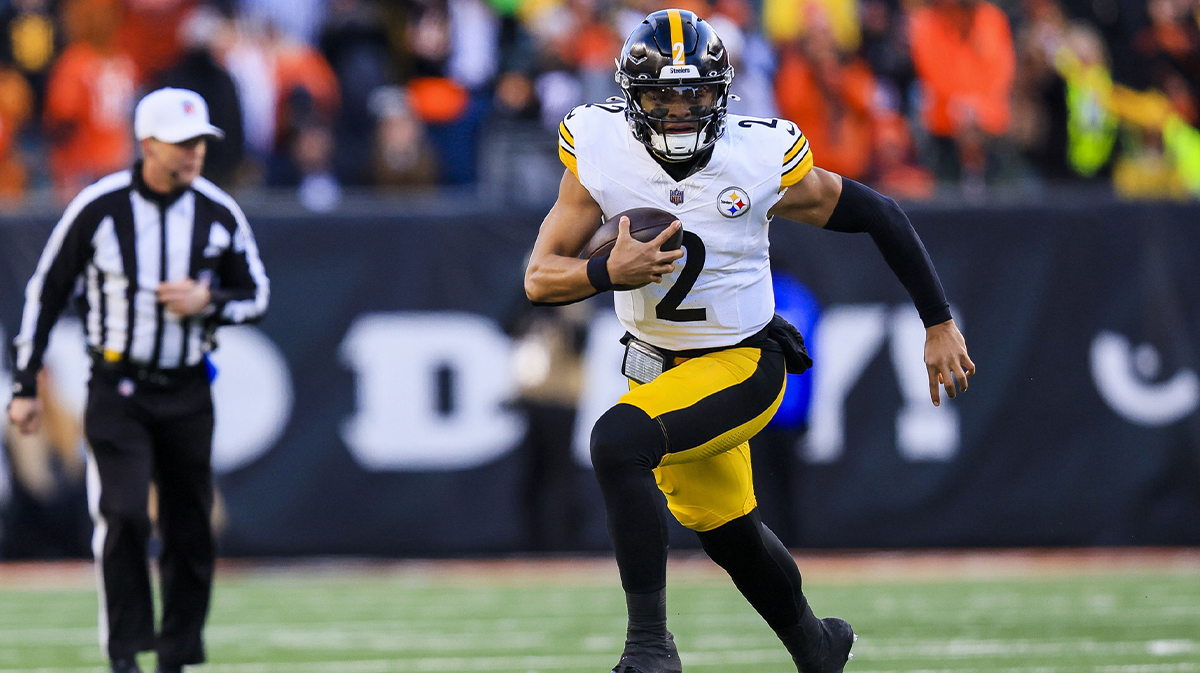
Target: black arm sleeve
x=862 y=209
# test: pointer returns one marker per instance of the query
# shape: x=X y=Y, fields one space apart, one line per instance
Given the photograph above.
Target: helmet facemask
x=677 y=119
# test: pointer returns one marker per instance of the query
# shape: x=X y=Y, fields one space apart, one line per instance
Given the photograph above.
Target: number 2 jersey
x=720 y=292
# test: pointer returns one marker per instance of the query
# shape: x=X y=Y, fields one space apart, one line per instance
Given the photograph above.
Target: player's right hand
x=25 y=413
x=634 y=264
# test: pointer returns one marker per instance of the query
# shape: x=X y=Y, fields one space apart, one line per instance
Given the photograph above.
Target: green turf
x=331 y=622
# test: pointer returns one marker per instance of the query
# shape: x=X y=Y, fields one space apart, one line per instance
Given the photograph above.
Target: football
x=644 y=225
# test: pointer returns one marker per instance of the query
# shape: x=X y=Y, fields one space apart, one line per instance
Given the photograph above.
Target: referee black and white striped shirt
x=116 y=242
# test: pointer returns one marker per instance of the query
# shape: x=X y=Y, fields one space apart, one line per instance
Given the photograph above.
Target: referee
x=155 y=258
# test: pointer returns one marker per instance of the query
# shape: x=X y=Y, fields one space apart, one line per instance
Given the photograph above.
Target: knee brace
x=625 y=438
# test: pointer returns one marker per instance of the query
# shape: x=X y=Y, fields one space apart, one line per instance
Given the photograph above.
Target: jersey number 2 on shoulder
x=668 y=308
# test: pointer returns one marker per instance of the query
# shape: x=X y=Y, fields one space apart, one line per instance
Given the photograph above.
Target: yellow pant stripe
x=693 y=381
x=708 y=408
x=708 y=494
x=727 y=440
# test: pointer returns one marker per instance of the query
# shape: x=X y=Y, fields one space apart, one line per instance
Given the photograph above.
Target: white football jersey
x=720 y=292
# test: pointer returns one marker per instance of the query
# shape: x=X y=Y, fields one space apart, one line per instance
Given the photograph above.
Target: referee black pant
x=141 y=432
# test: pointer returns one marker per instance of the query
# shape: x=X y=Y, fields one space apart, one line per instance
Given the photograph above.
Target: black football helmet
x=675 y=75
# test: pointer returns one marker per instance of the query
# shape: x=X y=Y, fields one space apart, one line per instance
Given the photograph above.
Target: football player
x=704 y=353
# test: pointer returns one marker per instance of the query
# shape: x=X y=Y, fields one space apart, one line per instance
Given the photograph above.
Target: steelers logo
x=733 y=202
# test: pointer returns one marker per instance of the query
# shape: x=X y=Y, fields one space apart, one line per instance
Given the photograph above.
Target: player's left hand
x=184 y=297
x=946 y=360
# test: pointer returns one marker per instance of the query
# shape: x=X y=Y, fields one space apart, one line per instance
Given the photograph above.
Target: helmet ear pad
x=650 y=59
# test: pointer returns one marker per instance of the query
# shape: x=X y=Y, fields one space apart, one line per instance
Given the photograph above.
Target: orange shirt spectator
x=298 y=65
x=89 y=101
x=831 y=103
x=16 y=107
x=595 y=46
x=149 y=34
x=963 y=53
x=89 y=98
x=588 y=41
x=896 y=172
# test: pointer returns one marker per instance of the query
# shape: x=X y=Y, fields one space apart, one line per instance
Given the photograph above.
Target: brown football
x=644 y=225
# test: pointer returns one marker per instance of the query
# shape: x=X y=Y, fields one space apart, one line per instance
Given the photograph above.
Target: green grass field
x=368 y=618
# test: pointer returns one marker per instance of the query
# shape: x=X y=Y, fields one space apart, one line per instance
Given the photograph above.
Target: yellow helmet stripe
x=676 y=22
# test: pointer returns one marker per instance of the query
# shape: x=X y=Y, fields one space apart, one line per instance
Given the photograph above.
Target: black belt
x=672 y=358
x=153 y=376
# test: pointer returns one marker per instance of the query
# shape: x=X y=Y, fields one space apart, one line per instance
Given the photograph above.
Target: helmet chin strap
x=675 y=146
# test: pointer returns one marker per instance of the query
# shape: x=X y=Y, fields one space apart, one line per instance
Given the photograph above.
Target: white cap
x=173 y=116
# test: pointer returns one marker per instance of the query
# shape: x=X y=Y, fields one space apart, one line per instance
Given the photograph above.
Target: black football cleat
x=125 y=666
x=837 y=652
x=834 y=650
x=650 y=657
x=819 y=645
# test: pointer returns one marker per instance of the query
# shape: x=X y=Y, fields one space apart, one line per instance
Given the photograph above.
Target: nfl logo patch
x=733 y=202
x=188 y=108
x=677 y=196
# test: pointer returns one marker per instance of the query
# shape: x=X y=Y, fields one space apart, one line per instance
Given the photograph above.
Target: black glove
x=795 y=355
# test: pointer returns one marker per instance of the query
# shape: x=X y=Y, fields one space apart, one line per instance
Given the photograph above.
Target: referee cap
x=173 y=116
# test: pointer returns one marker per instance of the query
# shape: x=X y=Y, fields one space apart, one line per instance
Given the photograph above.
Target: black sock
x=647 y=616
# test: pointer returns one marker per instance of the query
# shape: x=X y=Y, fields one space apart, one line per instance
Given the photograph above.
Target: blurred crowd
x=912 y=96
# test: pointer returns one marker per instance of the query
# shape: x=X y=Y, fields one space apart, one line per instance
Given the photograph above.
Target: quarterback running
x=706 y=356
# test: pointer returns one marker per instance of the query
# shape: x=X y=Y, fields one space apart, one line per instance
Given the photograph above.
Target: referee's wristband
x=597 y=273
